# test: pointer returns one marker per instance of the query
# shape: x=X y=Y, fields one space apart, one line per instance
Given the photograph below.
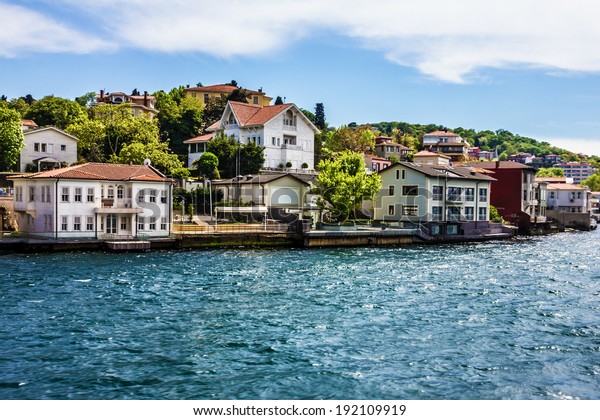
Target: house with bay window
x=448 y=200
x=283 y=130
x=94 y=200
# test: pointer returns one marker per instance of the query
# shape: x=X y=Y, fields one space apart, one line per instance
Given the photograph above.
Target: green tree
x=252 y=158
x=19 y=105
x=159 y=154
x=85 y=99
x=344 y=183
x=319 y=121
x=360 y=139
x=278 y=101
x=179 y=118
x=593 y=182
x=208 y=166
x=11 y=138
x=55 y=111
x=225 y=149
x=550 y=173
x=495 y=215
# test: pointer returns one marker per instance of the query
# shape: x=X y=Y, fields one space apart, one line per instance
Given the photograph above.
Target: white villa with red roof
x=285 y=132
x=94 y=200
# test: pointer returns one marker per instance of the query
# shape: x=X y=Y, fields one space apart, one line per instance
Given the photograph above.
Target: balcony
x=454 y=198
x=289 y=127
x=112 y=206
x=291 y=146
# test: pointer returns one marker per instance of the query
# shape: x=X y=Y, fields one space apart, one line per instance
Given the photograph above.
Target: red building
x=517 y=197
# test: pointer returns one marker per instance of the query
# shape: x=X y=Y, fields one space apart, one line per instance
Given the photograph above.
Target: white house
x=448 y=143
x=443 y=197
x=567 y=198
x=94 y=200
x=285 y=132
x=47 y=148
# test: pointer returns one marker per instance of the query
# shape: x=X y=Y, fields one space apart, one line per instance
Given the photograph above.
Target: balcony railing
x=454 y=198
x=291 y=146
x=289 y=127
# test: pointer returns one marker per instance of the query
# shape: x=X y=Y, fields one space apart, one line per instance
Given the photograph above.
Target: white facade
x=567 y=198
x=285 y=132
x=89 y=208
x=48 y=148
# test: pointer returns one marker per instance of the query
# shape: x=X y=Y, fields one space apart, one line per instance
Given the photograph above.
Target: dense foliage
x=11 y=138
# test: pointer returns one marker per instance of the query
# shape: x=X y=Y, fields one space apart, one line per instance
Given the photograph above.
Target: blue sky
x=530 y=66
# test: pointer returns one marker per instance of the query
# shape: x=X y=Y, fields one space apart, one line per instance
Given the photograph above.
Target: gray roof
x=264 y=179
x=436 y=171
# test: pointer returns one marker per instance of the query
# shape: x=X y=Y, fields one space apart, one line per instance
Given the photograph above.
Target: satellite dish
x=147 y=162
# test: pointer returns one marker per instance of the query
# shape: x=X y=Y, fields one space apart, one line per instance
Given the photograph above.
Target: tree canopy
x=359 y=139
x=55 y=111
x=159 y=154
x=11 y=138
x=208 y=166
x=593 y=182
x=550 y=173
x=230 y=153
x=343 y=184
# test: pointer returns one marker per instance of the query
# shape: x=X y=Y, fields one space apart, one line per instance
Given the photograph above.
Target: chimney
x=101 y=94
x=146 y=98
x=497 y=164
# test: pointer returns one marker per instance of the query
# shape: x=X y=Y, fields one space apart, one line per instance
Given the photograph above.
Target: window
x=483 y=195
x=141 y=196
x=65 y=194
x=469 y=213
x=110 y=192
x=19 y=194
x=403 y=173
x=391 y=190
x=90 y=195
x=43 y=199
x=454 y=193
x=469 y=194
x=411 y=190
x=391 y=209
x=205 y=97
x=141 y=222
x=111 y=223
x=129 y=192
x=482 y=213
x=453 y=214
x=64 y=223
x=31 y=194
x=410 y=210
x=438 y=192
x=153 y=196
x=255 y=100
x=124 y=223
x=397 y=173
x=77 y=223
x=43 y=147
x=77 y=196
x=63 y=147
x=163 y=223
x=120 y=192
x=436 y=212
x=36 y=147
x=152 y=224
x=163 y=196
x=551 y=194
x=273 y=141
x=89 y=225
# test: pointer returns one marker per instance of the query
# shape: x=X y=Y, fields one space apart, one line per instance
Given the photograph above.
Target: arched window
x=111 y=192
x=120 y=192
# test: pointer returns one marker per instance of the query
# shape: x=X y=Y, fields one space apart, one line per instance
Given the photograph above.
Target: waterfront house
x=94 y=200
x=140 y=104
x=204 y=93
x=448 y=143
x=517 y=197
x=47 y=148
x=286 y=134
x=281 y=196
x=448 y=200
x=569 y=205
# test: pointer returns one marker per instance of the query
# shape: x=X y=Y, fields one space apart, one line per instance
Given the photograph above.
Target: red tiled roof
x=442 y=133
x=221 y=89
x=29 y=123
x=200 y=139
x=247 y=114
x=428 y=153
x=101 y=171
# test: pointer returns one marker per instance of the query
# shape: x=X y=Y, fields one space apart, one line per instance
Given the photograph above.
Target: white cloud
x=26 y=31
x=446 y=40
x=576 y=145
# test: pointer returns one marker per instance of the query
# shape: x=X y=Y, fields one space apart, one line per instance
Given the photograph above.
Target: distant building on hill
x=140 y=104
x=579 y=171
x=204 y=93
x=448 y=143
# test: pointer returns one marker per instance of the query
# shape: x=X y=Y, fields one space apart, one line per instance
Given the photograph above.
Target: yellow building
x=216 y=91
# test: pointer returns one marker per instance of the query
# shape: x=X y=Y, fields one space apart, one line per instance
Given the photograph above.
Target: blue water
x=515 y=319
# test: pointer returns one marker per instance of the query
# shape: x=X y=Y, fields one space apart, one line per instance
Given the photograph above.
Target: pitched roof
x=200 y=139
x=28 y=123
x=436 y=171
x=258 y=179
x=502 y=164
x=101 y=172
x=428 y=153
x=442 y=133
x=567 y=187
x=248 y=114
x=41 y=130
x=221 y=88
